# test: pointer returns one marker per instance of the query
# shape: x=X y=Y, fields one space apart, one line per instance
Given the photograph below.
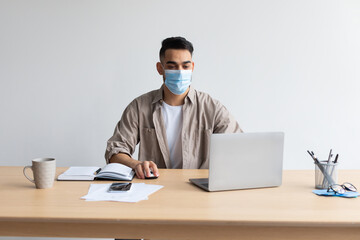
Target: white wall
x=69 y=68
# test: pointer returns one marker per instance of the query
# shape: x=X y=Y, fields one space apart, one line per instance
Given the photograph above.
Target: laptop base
x=201 y=183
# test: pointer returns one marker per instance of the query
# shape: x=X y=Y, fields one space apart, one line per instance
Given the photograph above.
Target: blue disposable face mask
x=178 y=81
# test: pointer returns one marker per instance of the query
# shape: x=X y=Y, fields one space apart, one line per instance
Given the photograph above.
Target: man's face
x=175 y=59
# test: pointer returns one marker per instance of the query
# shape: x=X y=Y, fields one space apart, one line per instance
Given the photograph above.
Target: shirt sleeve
x=126 y=133
x=224 y=121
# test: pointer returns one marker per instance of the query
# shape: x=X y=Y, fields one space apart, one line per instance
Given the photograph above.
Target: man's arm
x=139 y=166
x=224 y=121
x=123 y=142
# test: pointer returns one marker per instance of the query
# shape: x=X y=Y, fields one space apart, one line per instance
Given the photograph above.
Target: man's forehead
x=178 y=56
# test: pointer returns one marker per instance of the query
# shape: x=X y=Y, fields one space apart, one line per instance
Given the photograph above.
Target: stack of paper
x=138 y=192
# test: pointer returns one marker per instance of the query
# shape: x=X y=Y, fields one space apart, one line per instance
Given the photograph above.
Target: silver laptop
x=244 y=160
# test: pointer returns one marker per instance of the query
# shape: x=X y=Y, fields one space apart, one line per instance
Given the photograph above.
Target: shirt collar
x=159 y=96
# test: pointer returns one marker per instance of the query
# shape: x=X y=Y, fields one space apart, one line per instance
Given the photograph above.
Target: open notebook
x=112 y=171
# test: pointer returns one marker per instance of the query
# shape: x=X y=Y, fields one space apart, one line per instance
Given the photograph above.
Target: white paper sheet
x=138 y=192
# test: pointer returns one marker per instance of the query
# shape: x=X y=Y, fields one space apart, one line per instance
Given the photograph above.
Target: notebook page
x=117 y=168
x=81 y=171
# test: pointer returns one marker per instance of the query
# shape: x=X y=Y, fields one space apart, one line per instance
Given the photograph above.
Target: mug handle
x=31 y=180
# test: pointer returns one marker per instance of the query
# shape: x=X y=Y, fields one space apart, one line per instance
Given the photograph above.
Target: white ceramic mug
x=43 y=172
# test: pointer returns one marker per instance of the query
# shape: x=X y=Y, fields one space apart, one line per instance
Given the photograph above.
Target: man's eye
x=186 y=67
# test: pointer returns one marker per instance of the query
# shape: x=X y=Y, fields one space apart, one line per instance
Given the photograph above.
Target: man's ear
x=159 y=68
x=193 y=65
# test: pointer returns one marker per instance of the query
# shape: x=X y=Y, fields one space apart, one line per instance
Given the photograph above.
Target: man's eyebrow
x=172 y=62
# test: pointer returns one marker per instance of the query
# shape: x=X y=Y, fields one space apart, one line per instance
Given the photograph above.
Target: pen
x=314 y=157
x=335 y=161
x=327 y=165
x=329 y=156
x=97 y=171
x=311 y=154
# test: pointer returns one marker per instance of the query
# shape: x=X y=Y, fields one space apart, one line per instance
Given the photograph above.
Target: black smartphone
x=119 y=187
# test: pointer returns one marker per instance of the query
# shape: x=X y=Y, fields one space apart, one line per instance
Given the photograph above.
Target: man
x=174 y=123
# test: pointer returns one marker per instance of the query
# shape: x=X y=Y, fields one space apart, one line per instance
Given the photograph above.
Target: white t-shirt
x=173 y=119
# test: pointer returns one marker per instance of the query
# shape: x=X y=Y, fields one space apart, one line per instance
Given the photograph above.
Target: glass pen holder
x=332 y=170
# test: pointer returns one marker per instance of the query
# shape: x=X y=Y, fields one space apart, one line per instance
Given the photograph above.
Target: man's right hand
x=144 y=168
x=141 y=168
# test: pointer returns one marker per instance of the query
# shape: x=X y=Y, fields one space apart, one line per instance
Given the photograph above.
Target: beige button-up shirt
x=142 y=122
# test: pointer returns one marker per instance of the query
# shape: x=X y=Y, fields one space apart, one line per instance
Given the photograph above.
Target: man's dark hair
x=175 y=43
